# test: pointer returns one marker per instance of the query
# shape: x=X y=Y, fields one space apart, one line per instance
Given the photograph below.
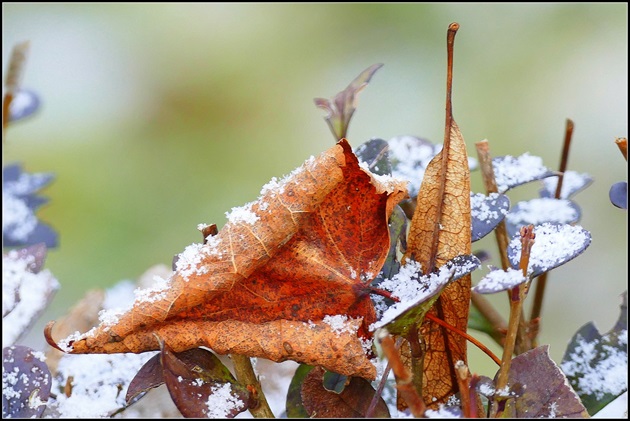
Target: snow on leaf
x=537 y=211
x=499 y=280
x=26 y=291
x=597 y=365
x=26 y=382
x=487 y=212
x=510 y=172
x=417 y=292
x=24 y=104
x=409 y=157
x=20 y=226
x=572 y=183
x=554 y=245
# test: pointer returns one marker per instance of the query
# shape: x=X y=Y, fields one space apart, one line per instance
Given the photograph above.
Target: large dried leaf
x=345 y=102
x=441 y=230
x=546 y=392
x=352 y=402
x=306 y=249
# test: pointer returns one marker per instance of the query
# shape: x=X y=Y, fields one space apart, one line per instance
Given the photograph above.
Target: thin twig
x=518 y=295
x=541 y=282
x=404 y=380
x=246 y=376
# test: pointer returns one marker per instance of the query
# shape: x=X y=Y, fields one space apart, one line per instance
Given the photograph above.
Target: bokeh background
x=158 y=117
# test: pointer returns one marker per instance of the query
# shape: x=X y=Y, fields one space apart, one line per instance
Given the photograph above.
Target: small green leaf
x=295 y=406
x=344 y=104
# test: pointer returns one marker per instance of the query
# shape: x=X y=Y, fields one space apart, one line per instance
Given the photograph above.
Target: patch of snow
x=222 y=402
x=411 y=288
x=537 y=211
x=510 y=171
x=242 y=214
x=597 y=376
x=499 y=280
x=339 y=324
x=24 y=295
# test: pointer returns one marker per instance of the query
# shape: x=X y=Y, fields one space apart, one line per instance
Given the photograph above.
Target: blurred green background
x=159 y=117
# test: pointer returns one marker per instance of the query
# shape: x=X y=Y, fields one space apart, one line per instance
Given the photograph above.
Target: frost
x=98 y=383
x=595 y=375
x=222 y=402
x=24 y=295
x=537 y=211
x=554 y=245
x=499 y=280
x=510 y=172
x=242 y=214
x=189 y=261
x=483 y=210
x=339 y=324
x=410 y=156
x=411 y=288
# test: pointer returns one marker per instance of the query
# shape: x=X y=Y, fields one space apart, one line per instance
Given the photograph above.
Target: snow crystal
x=154 y=293
x=480 y=207
x=537 y=211
x=572 y=182
x=189 y=261
x=388 y=182
x=24 y=295
x=596 y=376
x=510 y=171
x=410 y=158
x=339 y=324
x=99 y=382
x=410 y=288
x=552 y=245
x=499 y=280
x=242 y=214
x=17 y=218
x=221 y=402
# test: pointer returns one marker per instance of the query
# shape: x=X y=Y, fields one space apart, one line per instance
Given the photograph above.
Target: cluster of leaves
x=356 y=256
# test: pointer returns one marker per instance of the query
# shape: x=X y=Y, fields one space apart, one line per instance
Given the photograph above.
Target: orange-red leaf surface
x=307 y=248
x=440 y=230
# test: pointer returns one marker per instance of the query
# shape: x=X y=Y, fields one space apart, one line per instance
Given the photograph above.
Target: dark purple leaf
x=486 y=213
x=543 y=390
x=572 y=183
x=353 y=402
x=201 y=386
x=334 y=382
x=619 y=194
x=540 y=210
x=148 y=377
x=26 y=383
x=597 y=365
x=374 y=154
x=510 y=172
x=554 y=245
x=344 y=104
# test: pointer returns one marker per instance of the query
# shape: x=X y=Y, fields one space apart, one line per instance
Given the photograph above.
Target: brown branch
x=404 y=379
x=246 y=377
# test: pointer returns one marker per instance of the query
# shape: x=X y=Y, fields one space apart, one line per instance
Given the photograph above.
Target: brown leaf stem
x=17 y=62
x=622 y=144
x=246 y=376
x=404 y=379
x=487 y=172
x=517 y=296
x=381 y=385
x=469 y=407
